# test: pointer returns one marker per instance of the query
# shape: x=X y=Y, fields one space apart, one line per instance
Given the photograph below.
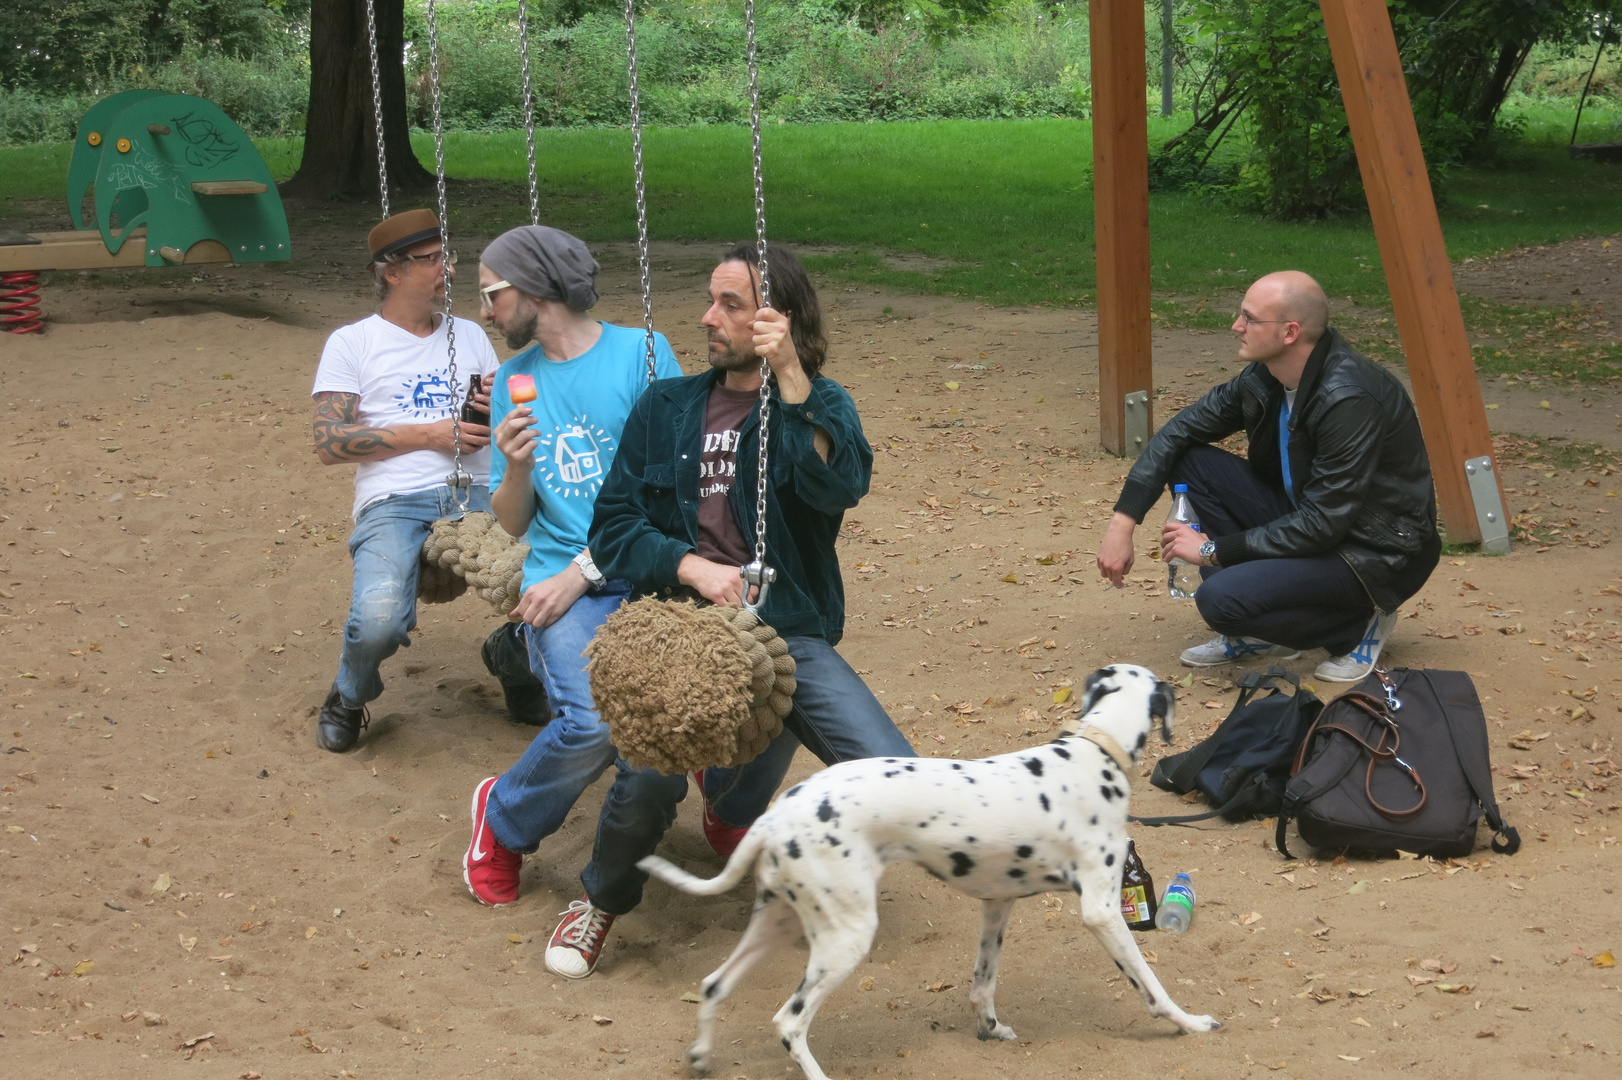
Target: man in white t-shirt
x=384 y=397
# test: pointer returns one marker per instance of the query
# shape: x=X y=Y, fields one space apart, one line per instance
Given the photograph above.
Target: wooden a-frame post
x=1446 y=393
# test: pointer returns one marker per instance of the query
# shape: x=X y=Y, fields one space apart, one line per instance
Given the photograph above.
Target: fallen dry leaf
x=691 y=998
x=163 y=884
x=1605 y=960
x=940 y=987
x=601 y=1020
x=1453 y=988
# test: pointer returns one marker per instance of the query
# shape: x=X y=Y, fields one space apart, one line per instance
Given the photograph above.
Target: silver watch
x=1208 y=553
x=588 y=570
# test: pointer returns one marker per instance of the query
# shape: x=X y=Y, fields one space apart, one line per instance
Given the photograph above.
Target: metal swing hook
x=756 y=575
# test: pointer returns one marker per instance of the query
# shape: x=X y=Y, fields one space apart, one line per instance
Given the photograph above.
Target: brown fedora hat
x=402 y=231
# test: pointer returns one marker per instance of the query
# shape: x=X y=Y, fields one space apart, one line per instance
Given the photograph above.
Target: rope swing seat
x=682 y=686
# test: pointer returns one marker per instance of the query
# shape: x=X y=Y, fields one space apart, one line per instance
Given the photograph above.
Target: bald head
x=1292 y=295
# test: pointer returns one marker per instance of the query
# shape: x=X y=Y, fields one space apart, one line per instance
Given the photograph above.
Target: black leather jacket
x=1361 y=475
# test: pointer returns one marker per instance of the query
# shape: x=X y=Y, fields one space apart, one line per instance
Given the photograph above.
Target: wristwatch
x=1208 y=553
x=588 y=570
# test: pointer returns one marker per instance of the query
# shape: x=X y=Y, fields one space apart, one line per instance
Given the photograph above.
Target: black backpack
x=1399 y=762
x=1243 y=767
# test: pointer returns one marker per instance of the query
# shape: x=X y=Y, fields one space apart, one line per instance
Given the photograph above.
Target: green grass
x=995 y=210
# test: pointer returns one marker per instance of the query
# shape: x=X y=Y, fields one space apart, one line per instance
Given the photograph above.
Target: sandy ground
x=192 y=888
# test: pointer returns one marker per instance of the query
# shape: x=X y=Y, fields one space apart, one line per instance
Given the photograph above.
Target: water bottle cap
x=1179 y=489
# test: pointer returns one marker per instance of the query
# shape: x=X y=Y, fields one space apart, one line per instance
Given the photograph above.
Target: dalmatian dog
x=1048 y=818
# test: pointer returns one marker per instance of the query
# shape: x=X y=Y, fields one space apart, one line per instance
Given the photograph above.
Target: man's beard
x=521 y=331
x=730 y=359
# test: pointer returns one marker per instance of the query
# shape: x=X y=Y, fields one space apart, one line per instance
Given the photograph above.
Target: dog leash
x=1101 y=739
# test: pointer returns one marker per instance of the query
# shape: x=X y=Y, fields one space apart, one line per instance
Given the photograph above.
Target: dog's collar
x=1101 y=739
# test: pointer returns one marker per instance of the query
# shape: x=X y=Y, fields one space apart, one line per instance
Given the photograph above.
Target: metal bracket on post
x=1136 y=423
x=1490 y=517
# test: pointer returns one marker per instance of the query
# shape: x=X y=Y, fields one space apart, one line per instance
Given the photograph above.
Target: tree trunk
x=340 y=141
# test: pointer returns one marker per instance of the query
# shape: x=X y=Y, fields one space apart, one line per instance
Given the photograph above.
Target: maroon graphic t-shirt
x=719 y=538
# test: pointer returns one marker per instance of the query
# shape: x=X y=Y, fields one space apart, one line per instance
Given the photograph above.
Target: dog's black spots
x=909 y=768
x=892 y=772
x=1119 y=968
x=774 y=859
x=1055 y=878
x=792 y=848
x=1043 y=799
x=923 y=824
x=833 y=841
x=846 y=853
x=1093 y=820
x=786 y=1046
x=1119 y=794
x=711 y=990
x=793 y=791
x=826 y=811
x=1062 y=752
x=1134 y=983
x=961 y=864
x=790 y=894
x=766 y=897
x=889 y=761
x=968 y=839
x=797 y=1008
x=1151 y=998
x=1109 y=860
x=1016 y=873
x=1107 y=791
x=1108 y=776
x=957 y=765
x=970 y=779
x=1024 y=851
x=1143 y=740
x=1035 y=765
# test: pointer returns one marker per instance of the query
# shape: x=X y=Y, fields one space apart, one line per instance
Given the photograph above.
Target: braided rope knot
x=472 y=550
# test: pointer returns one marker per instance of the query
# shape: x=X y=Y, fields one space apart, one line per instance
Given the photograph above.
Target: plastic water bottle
x=1182 y=578
x=1177 y=906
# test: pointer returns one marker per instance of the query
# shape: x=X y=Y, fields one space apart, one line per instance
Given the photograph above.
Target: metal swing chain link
x=529 y=110
x=641 y=190
x=459 y=481
x=377 y=108
x=758 y=573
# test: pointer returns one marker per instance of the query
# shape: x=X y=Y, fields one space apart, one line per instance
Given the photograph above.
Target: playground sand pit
x=193 y=888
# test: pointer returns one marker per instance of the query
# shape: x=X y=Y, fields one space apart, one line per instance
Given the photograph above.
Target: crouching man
x=1327 y=527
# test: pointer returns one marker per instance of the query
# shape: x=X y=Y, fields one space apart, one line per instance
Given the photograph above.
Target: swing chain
x=757 y=574
x=641 y=190
x=377 y=108
x=459 y=481
x=529 y=110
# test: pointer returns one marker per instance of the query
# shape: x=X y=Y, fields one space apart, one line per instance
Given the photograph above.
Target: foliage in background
x=1262 y=69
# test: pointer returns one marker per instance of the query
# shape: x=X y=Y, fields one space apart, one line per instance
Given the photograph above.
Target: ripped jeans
x=386 y=547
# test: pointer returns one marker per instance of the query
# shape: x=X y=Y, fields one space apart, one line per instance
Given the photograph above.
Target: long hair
x=793 y=295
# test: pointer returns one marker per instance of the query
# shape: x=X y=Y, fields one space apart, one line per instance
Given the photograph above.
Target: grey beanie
x=546 y=263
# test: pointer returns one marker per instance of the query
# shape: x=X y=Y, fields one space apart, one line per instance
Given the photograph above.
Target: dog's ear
x=1163 y=707
x=1095 y=688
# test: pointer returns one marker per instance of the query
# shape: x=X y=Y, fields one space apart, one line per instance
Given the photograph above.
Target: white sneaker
x=577 y=943
x=1227 y=650
x=1361 y=660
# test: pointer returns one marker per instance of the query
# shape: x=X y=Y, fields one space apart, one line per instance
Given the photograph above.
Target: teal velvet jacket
x=646 y=515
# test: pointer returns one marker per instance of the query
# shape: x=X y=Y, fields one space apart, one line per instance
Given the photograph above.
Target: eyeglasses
x=486 y=299
x=435 y=256
x=1245 y=321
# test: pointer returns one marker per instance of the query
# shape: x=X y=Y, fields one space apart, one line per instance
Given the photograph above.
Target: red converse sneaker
x=577 y=943
x=724 y=839
x=490 y=870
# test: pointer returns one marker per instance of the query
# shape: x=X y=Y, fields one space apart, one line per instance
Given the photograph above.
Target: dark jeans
x=835 y=716
x=1307 y=603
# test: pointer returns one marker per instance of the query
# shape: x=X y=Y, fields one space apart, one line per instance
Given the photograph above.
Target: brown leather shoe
x=339 y=726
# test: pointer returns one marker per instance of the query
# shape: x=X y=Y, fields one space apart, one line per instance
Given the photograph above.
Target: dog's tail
x=737 y=866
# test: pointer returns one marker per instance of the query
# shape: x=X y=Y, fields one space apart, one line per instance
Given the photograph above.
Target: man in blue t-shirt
x=536 y=285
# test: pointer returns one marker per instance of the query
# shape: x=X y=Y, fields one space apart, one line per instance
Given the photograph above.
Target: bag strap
x=1239 y=798
x=1183 y=776
x=1506 y=839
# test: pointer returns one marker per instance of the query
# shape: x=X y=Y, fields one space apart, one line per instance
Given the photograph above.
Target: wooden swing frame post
x=1447 y=394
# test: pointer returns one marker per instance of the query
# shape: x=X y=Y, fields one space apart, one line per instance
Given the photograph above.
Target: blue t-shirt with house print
x=580 y=409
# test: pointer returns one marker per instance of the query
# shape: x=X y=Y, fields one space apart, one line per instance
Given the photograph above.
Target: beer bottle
x=1137 y=892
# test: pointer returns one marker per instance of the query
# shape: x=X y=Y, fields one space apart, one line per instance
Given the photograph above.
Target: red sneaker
x=490 y=870
x=724 y=839
x=577 y=943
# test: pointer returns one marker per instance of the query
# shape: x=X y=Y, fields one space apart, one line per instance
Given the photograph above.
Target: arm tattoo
x=339 y=436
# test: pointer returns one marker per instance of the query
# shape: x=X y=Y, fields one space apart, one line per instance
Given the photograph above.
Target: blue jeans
x=386 y=547
x=835 y=716
x=532 y=799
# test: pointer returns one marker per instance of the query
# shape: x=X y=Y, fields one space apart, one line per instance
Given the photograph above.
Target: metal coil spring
x=19 y=302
